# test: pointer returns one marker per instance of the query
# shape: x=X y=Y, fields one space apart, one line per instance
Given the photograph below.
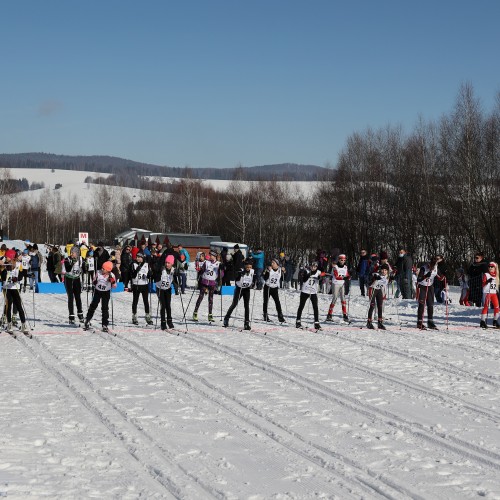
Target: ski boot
x=211 y=318
x=195 y=316
x=170 y=324
x=483 y=324
x=80 y=317
x=10 y=328
x=86 y=326
x=369 y=325
x=281 y=319
x=134 y=319
x=380 y=325
x=225 y=324
x=298 y=324
x=24 y=328
x=149 y=321
x=431 y=325
x=329 y=318
x=105 y=328
x=266 y=318
x=14 y=320
x=420 y=325
x=72 y=319
x=345 y=318
x=163 y=325
x=317 y=326
x=247 y=326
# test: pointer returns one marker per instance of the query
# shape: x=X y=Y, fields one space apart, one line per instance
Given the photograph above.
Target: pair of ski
x=92 y=329
x=13 y=334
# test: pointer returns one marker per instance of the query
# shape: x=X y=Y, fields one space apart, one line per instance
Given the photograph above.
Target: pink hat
x=10 y=254
x=169 y=258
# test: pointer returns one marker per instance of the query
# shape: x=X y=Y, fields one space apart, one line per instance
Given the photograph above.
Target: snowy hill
x=272 y=413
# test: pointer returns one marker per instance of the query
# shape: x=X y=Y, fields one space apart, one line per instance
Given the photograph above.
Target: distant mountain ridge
x=114 y=165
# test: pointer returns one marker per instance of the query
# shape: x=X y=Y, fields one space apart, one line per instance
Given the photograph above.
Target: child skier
x=425 y=293
x=490 y=289
x=245 y=279
x=89 y=270
x=26 y=264
x=272 y=276
x=209 y=274
x=377 y=293
x=72 y=271
x=10 y=283
x=140 y=274
x=339 y=281
x=164 y=291
x=103 y=283
x=309 y=291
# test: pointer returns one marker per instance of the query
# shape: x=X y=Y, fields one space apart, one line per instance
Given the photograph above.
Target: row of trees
x=432 y=190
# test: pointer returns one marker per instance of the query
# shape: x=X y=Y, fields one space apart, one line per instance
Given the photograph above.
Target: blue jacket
x=258 y=258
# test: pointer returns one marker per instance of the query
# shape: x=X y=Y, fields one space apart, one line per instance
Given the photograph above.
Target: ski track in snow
x=272 y=413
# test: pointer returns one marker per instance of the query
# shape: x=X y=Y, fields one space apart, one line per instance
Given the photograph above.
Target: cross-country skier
x=309 y=291
x=103 y=283
x=272 y=276
x=463 y=284
x=490 y=289
x=10 y=283
x=209 y=274
x=140 y=274
x=164 y=290
x=377 y=293
x=425 y=293
x=72 y=271
x=339 y=281
x=245 y=279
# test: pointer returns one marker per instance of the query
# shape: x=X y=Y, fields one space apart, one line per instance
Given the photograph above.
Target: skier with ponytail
x=490 y=288
x=104 y=281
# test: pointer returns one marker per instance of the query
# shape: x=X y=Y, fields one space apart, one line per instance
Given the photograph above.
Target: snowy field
x=272 y=413
x=75 y=189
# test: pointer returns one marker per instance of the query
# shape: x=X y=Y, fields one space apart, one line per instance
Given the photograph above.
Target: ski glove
x=428 y=275
x=489 y=280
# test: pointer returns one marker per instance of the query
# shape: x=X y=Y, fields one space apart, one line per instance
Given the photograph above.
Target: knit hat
x=384 y=266
x=236 y=247
x=213 y=253
x=275 y=260
x=107 y=266
x=169 y=259
x=140 y=254
x=383 y=255
x=10 y=254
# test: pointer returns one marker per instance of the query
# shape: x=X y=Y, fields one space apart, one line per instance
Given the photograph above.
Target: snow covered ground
x=272 y=413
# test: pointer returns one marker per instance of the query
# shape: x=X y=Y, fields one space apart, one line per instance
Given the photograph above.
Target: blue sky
x=221 y=83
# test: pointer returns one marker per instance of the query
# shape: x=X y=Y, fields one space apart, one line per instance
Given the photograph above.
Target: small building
x=193 y=243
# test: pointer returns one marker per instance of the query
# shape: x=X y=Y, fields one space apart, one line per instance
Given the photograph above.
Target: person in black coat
x=101 y=255
x=237 y=259
x=475 y=273
x=125 y=263
x=404 y=266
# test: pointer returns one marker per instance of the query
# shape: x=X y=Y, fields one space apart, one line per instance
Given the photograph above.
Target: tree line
x=431 y=190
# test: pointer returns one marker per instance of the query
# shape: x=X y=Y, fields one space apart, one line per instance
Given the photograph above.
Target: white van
x=221 y=245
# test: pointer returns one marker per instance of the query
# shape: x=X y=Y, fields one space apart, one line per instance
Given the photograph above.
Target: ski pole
x=446 y=298
x=184 y=312
x=158 y=295
x=24 y=311
x=189 y=302
x=34 y=317
x=253 y=303
x=112 y=316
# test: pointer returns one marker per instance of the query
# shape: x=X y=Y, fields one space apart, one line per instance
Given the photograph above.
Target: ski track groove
x=367 y=484
x=174 y=371
x=450 y=443
x=421 y=357
x=484 y=412
x=152 y=449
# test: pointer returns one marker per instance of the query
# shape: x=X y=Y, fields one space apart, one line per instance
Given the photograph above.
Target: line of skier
x=164 y=273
